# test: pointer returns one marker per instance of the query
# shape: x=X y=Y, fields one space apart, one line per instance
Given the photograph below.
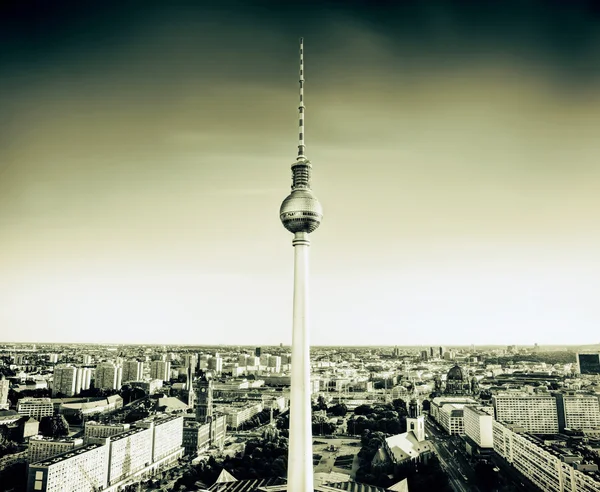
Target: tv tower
x=301 y=214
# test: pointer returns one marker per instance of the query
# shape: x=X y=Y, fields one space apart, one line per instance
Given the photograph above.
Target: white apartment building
x=215 y=364
x=70 y=380
x=4 y=388
x=83 y=379
x=478 y=425
x=160 y=369
x=65 y=380
x=275 y=363
x=578 y=411
x=551 y=468
x=81 y=470
x=133 y=370
x=41 y=447
x=130 y=452
x=96 y=429
x=35 y=407
x=537 y=414
x=108 y=375
x=238 y=414
x=108 y=463
x=168 y=436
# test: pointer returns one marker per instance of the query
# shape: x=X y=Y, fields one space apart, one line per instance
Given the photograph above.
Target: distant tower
x=204 y=399
x=415 y=422
x=301 y=214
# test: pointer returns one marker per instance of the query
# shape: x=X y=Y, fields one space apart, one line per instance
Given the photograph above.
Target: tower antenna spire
x=301 y=145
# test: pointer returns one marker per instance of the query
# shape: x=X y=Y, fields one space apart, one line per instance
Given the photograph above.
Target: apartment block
x=96 y=429
x=160 y=369
x=537 y=414
x=133 y=370
x=552 y=467
x=41 y=447
x=35 y=407
x=478 y=425
x=108 y=375
x=81 y=470
x=578 y=411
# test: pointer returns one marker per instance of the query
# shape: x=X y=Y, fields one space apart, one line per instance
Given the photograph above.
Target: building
x=577 y=411
x=537 y=413
x=88 y=406
x=133 y=370
x=95 y=429
x=35 y=407
x=478 y=428
x=198 y=437
x=41 y=447
x=274 y=363
x=168 y=435
x=80 y=470
x=238 y=413
x=130 y=452
x=203 y=399
x=160 y=369
x=457 y=382
x=552 y=467
x=108 y=376
x=215 y=364
x=65 y=380
x=110 y=463
x=588 y=363
x=448 y=412
x=4 y=387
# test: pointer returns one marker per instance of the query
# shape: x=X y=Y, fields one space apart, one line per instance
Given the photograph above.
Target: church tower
x=415 y=422
x=204 y=399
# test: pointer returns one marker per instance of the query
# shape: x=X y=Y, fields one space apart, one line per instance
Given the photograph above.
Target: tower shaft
x=300 y=465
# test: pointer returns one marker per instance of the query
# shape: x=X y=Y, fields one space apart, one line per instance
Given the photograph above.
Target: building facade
x=537 y=414
x=133 y=370
x=160 y=369
x=80 y=470
x=578 y=411
x=41 y=447
x=551 y=468
x=108 y=376
x=35 y=407
x=478 y=425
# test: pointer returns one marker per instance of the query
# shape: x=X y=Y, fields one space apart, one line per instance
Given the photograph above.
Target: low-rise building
x=35 y=407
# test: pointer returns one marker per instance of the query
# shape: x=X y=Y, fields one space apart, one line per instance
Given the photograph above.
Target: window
x=38 y=485
x=39 y=475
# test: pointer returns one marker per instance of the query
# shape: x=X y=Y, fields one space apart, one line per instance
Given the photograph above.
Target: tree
x=400 y=406
x=339 y=410
x=363 y=409
x=54 y=426
x=321 y=404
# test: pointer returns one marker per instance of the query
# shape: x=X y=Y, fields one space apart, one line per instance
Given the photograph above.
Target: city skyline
x=144 y=156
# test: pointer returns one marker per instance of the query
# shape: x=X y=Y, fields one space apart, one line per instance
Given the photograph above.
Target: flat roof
x=65 y=456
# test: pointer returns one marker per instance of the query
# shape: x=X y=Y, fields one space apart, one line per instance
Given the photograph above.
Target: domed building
x=457 y=382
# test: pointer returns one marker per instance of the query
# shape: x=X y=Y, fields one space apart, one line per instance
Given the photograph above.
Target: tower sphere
x=301 y=211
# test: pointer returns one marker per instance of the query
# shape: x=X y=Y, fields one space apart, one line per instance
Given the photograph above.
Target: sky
x=145 y=150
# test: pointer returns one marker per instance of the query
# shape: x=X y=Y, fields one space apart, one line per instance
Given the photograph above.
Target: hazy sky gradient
x=145 y=150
